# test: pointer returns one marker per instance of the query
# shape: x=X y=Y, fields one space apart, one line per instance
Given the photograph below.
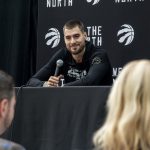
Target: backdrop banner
x=122 y=27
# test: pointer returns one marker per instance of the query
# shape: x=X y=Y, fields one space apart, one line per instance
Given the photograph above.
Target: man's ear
x=3 y=107
x=85 y=35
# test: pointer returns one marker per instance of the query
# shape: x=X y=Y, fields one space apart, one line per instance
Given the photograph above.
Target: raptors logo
x=126 y=34
x=53 y=37
x=94 y=2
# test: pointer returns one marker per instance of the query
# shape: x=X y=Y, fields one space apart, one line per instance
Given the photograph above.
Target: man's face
x=10 y=113
x=74 y=40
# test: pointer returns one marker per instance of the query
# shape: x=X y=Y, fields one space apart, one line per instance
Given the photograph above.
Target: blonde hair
x=127 y=126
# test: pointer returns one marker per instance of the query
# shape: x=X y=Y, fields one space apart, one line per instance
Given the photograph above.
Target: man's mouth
x=75 y=45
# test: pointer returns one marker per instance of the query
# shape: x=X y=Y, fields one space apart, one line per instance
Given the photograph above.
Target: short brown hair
x=73 y=23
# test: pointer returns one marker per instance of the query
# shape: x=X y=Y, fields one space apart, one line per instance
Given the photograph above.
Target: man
x=83 y=63
x=7 y=106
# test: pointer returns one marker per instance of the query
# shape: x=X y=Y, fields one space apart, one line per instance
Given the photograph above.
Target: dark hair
x=6 y=85
x=73 y=23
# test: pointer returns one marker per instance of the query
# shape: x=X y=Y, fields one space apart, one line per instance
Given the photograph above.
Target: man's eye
x=76 y=36
x=67 y=37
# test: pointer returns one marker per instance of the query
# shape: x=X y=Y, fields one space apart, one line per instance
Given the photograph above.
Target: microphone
x=59 y=64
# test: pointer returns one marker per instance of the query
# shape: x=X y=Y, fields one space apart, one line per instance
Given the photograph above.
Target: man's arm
x=41 y=76
x=46 y=71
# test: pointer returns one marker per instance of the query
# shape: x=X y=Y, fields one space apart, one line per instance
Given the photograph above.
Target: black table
x=58 y=118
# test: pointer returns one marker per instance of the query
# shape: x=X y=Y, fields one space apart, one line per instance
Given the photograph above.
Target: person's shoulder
x=59 y=54
x=9 y=145
x=92 y=48
x=60 y=51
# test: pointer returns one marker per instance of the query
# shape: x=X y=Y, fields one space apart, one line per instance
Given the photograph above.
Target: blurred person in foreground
x=81 y=63
x=127 y=125
x=7 y=109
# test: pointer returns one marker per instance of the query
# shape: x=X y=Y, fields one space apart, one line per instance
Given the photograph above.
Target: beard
x=76 y=49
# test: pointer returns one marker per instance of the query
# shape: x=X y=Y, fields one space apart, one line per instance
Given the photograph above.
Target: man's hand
x=52 y=81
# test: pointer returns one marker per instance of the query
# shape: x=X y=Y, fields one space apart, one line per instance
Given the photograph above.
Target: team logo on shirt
x=96 y=60
x=75 y=73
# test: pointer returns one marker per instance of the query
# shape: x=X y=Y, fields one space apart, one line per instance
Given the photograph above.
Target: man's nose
x=72 y=40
